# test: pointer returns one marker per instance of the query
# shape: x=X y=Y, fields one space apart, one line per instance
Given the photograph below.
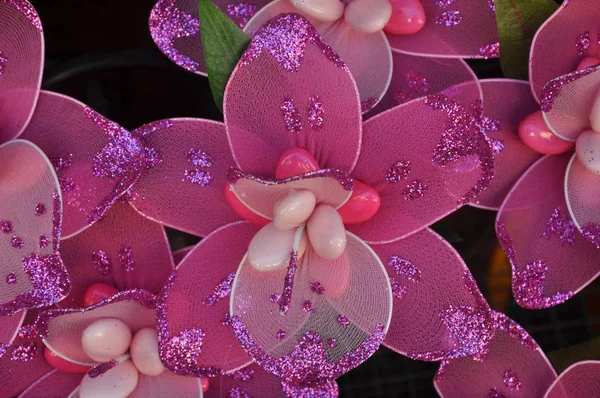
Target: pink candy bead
x=362 y=205
x=294 y=209
x=534 y=133
x=321 y=10
x=408 y=17
x=270 y=248
x=144 y=352
x=242 y=210
x=587 y=62
x=205 y=384
x=595 y=114
x=106 y=339
x=326 y=232
x=295 y=161
x=117 y=382
x=97 y=292
x=368 y=16
x=588 y=150
x=62 y=364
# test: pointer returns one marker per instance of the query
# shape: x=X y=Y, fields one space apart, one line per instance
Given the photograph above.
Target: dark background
x=101 y=52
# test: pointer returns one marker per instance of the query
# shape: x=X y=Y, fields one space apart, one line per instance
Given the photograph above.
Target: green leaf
x=224 y=43
x=518 y=20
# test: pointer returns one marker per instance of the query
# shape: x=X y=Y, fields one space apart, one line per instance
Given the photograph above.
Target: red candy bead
x=98 y=292
x=534 y=133
x=362 y=205
x=62 y=364
x=205 y=384
x=408 y=17
x=587 y=62
x=242 y=210
x=295 y=161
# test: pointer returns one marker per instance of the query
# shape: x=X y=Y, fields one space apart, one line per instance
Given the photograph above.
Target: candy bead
x=117 y=382
x=321 y=10
x=242 y=210
x=368 y=16
x=595 y=114
x=588 y=150
x=362 y=205
x=295 y=161
x=408 y=17
x=144 y=352
x=106 y=339
x=534 y=133
x=205 y=384
x=294 y=209
x=587 y=62
x=97 y=292
x=62 y=364
x=270 y=248
x=326 y=232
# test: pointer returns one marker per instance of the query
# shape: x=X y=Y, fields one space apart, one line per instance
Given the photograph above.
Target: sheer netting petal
x=514 y=366
x=180 y=254
x=567 y=37
x=96 y=160
x=337 y=315
x=290 y=89
x=550 y=258
x=53 y=384
x=368 y=56
x=195 y=339
x=580 y=380
x=21 y=64
x=415 y=77
x=567 y=101
x=425 y=158
x=62 y=329
x=194 y=157
x=30 y=222
x=123 y=250
x=435 y=300
x=506 y=103
x=9 y=329
x=167 y=384
x=453 y=30
x=581 y=192
x=252 y=380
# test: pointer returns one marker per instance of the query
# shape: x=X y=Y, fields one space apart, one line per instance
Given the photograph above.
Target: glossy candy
x=321 y=10
x=144 y=352
x=96 y=293
x=408 y=17
x=117 y=382
x=587 y=62
x=62 y=364
x=326 y=232
x=295 y=161
x=270 y=248
x=368 y=16
x=106 y=339
x=362 y=205
x=294 y=209
x=595 y=115
x=534 y=133
x=588 y=150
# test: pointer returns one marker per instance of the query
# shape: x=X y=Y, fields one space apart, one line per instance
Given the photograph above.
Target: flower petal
x=30 y=222
x=167 y=384
x=550 y=259
x=194 y=159
x=53 y=384
x=124 y=250
x=508 y=102
x=252 y=380
x=582 y=380
x=195 y=302
x=9 y=328
x=462 y=30
x=180 y=254
x=582 y=199
x=96 y=159
x=290 y=89
x=17 y=374
x=21 y=64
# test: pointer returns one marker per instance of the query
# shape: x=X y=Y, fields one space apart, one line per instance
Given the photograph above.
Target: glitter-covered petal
x=194 y=157
x=124 y=250
x=514 y=366
x=9 y=327
x=21 y=64
x=252 y=380
x=368 y=56
x=460 y=30
x=267 y=103
x=31 y=276
x=581 y=380
x=167 y=384
x=557 y=47
x=53 y=384
x=508 y=102
x=96 y=159
x=581 y=192
x=196 y=297
x=550 y=259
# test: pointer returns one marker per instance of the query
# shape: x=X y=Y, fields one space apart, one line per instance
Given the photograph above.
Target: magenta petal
x=290 y=89
x=581 y=192
x=32 y=271
x=123 y=250
x=459 y=30
x=506 y=103
x=53 y=384
x=21 y=64
x=580 y=380
x=560 y=43
x=514 y=366
x=252 y=380
x=195 y=302
x=550 y=259
x=167 y=384
x=9 y=328
x=180 y=254
x=96 y=159
x=28 y=365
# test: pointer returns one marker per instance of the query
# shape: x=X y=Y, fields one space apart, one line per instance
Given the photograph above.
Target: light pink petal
x=180 y=254
x=167 y=384
x=422 y=166
x=53 y=384
x=9 y=328
x=195 y=302
x=368 y=56
x=459 y=30
x=252 y=380
x=567 y=101
x=514 y=366
x=431 y=282
x=61 y=329
x=283 y=95
x=21 y=64
x=123 y=250
x=581 y=193
x=32 y=272
x=550 y=259
x=96 y=159
x=22 y=365
x=194 y=159
x=580 y=380
x=560 y=43
x=506 y=103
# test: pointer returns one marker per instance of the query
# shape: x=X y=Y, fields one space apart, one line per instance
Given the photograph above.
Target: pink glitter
x=308 y=307
x=552 y=89
x=470 y=328
x=316 y=113
x=490 y=50
x=317 y=288
x=291 y=116
x=591 y=232
x=331 y=342
x=234 y=175
x=242 y=374
x=28 y=332
x=6 y=226
x=492 y=5
x=25 y=8
x=40 y=209
x=126 y=259
x=66 y=184
x=494 y=393
x=11 y=279
x=441 y=370
x=199 y=177
x=17 y=242
x=152 y=127
x=561 y=225
x=405 y=268
x=511 y=381
x=417 y=82
x=415 y=190
x=99 y=370
x=403 y=96
x=200 y=158
x=288 y=284
x=514 y=330
x=61 y=163
x=449 y=18
x=528 y=287
x=101 y=262
x=221 y=291
x=43 y=241
x=398 y=290
x=444 y=3
x=582 y=42
x=274 y=298
x=24 y=352
x=238 y=392
x=367 y=104
x=281 y=334
x=398 y=171
x=343 y=320
x=241 y=13
x=3 y=61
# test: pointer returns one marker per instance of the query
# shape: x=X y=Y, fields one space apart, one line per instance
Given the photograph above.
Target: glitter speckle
x=101 y=262
x=367 y=104
x=291 y=116
x=343 y=320
x=331 y=342
x=17 y=242
x=582 y=42
x=281 y=334
x=43 y=241
x=6 y=226
x=308 y=307
x=591 y=232
x=405 y=268
x=494 y=393
x=62 y=162
x=126 y=259
x=561 y=225
x=274 y=298
x=222 y=290
x=398 y=171
x=242 y=374
x=241 y=13
x=11 y=279
x=24 y=352
x=511 y=381
x=316 y=113
x=492 y=5
x=497 y=146
x=67 y=184
x=449 y=18
x=490 y=50
x=199 y=159
x=238 y=392
x=528 y=287
x=99 y=370
x=417 y=82
x=398 y=290
x=317 y=288
x=40 y=209
x=199 y=177
x=288 y=283
x=3 y=61
x=444 y=3
x=25 y=8
x=415 y=190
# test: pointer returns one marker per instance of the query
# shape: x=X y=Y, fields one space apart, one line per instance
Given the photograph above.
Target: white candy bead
x=117 y=382
x=294 y=209
x=595 y=115
x=368 y=16
x=321 y=10
x=587 y=148
x=270 y=248
x=106 y=339
x=326 y=232
x=144 y=352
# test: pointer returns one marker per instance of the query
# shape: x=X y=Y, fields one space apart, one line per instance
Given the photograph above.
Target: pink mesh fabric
x=252 y=380
x=536 y=231
x=368 y=56
x=459 y=30
x=71 y=135
x=582 y=195
x=21 y=64
x=559 y=44
x=167 y=384
x=53 y=384
x=428 y=278
x=33 y=274
x=185 y=304
x=9 y=327
x=567 y=102
x=268 y=101
x=123 y=250
x=18 y=375
x=62 y=328
x=531 y=371
x=180 y=254
x=580 y=380
x=195 y=157
x=509 y=102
